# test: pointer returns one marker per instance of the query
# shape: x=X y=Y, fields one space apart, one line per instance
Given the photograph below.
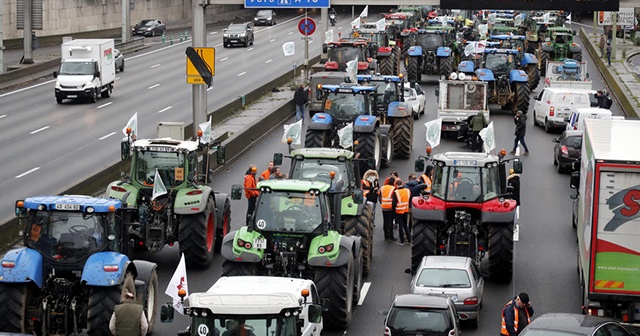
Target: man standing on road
x=513 y=181
x=250 y=189
x=400 y=203
x=478 y=122
x=516 y=315
x=300 y=98
x=386 y=203
x=521 y=129
x=128 y=318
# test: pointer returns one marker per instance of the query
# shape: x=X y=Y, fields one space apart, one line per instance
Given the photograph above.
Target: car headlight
x=255 y=19
x=269 y=18
x=225 y=35
x=242 y=35
x=150 y=28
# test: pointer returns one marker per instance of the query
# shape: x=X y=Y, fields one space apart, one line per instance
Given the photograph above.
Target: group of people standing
x=251 y=179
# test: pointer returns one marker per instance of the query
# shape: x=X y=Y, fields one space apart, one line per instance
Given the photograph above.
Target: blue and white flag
x=289 y=48
x=293 y=131
x=158 y=186
x=352 y=70
x=206 y=131
x=434 y=128
x=488 y=137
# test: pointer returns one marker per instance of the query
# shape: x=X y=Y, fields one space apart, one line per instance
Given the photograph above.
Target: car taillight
x=551 y=111
x=471 y=300
x=564 y=150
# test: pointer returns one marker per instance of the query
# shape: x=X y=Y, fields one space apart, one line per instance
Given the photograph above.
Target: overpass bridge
x=623 y=3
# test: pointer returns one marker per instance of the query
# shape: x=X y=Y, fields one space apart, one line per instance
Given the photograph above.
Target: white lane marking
x=39 y=130
x=268 y=61
x=290 y=33
x=154 y=86
x=165 y=109
x=249 y=49
x=213 y=33
x=363 y=292
x=154 y=66
x=224 y=59
x=210 y=88
x=27 y=172
x=27 y=88
x=2 y=116
x=106 y=136
x=218 y=45
x=272 y=40
x=104 y=105
x=242 y=73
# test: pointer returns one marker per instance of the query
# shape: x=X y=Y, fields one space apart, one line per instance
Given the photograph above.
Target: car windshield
x=319 y=170
x=264 y=13
x=499 y=63
x=77 y=68
x=465 y=184
x=411 y=320
x=208 y=324
x=64 y=235
x=344 y=106
x=288 y=211
x=149 y=23
x=443 y=278
x=170 y=167
x=236 y=28
x=430 y=42
x=573 y=141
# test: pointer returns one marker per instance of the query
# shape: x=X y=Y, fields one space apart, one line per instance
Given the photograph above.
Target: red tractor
x=402 y=28
x=348 y=49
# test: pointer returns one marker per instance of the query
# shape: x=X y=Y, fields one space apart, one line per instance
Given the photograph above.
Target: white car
x=415 y=97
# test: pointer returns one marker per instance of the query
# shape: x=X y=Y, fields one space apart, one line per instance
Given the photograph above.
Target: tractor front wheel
x=534 y=75
x=522 y=92
x=224 y=220
x=413 y=70
x=446 y=66
x=235 y=268
x=370 y=148
x=386 y=65
x=544 y=59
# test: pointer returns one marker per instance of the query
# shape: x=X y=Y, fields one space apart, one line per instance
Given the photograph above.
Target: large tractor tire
x=150 y=301
x=386 y=65
x=387 y=153
x=577 y=56
x=370 y=147
x=523 y=93
x=315 y=138
x=337 y=284
x=14 y=302
x=407 y=43
x=544 y=59
x=102 y=302
x=235 y=268
x=501 y=252
x=362 y=226
x=224 y=220
x=197 y=237
x=425 y=240
x=413 y=70
x=396 y=55
x=534 y=75
x=446 y=66
x=402 y=137
x=532 y=47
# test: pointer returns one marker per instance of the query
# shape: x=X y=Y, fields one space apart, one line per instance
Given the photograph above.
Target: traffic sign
x=208 y=56
x=286 y=4
x=306 y=26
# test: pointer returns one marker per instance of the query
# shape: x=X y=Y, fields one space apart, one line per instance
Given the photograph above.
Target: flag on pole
x=346 y=136
x=205 y=127
x=546 y=17
x=365 y=11
x=178 y=282
x=158 y=186
x=569 y=18
x=381 y=24
x=293 y=131
x=434 y=127
x=352 y=70
x=488 y=137
x=289 y=48
x=328 y=36
x=133 y=124
x=355 y=24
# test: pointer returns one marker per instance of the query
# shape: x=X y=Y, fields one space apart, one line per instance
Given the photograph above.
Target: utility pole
x=27 y=32
x=1 y=42
x=199 y=34
x=306 y=50
x=126 y=20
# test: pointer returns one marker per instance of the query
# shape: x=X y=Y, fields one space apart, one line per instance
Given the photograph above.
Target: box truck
x=608 y=216
x=87 y=70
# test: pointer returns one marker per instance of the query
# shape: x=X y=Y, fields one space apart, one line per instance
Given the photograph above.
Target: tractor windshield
x=65 y=236
x=320 y=170
x=289 y=211
x=344 y=106
x=430 y=42
x=344 y=54
x=465 y=183
x=170 y=167
x=209 y=324
x=499 y=63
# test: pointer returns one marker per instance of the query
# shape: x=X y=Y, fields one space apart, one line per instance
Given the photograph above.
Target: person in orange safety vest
x=516 y=315
x=400 y=203
x=267 y=172
x=427 y=177
x=250 y=189
x=386 y=203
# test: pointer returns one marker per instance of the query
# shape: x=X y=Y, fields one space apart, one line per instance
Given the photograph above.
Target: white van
x=553 y=105
x=575 y=120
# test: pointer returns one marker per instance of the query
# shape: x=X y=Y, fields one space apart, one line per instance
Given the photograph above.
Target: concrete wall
x=62 y=17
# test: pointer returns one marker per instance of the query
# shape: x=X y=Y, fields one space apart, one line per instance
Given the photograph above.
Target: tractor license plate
x=71 y=207
x=260 y=243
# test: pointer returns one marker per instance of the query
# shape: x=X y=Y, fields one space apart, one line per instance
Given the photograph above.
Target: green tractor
x=558 y=46
x=356 y=218
x=293 y=233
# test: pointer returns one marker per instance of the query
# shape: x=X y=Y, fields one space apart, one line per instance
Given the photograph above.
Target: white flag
x=569 y=18
x=483 y=29
x=346 y=136
x=491 y=19
x=546 y=17
x=206 y=131
x=488 y=137
x=470 y=48
x=434 y=127
x=352 y=70
x=365 y=11
x=517 y=21
x=293 y=131
x=328 y=36
x=158 y=186
x=355 y=24
x=289 y=48
x=381 y=24
x=178 y=281
x=133 y=124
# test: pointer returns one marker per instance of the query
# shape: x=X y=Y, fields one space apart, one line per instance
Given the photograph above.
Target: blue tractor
x=524 y=60
x=355 y=105
x=432 y=54
x=72 y=270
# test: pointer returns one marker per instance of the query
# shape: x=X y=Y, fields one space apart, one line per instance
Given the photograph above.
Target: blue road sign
x=287 y=3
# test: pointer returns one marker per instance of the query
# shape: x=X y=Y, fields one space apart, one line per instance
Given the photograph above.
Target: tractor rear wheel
x=150 y=301
x=336 y=284
x=534 y=75
x=577 y=56
x=235 y=268
x=102 y=303
x=386 y=65
x=544 y=59
x=402 y=137
x=16 y=300
x=412 y=68
x=424 y=239
x=523 y=93
x=315 y=138
x=197 y=236
x=224 y=220
x=369 y=147
x=362 y=226
x=501 y=252
x=396 y=54
x=446 y=66
x=387 y=152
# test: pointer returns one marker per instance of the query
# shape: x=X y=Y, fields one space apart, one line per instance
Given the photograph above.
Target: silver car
x=119 y=60
x=456 y=277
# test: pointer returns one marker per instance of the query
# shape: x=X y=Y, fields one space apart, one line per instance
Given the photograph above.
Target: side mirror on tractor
x=277 y=159
x=358 y=196
x=166 y=313
x=125 y=149
x=517 y=167
x=221 y=155
x=236 y=192
x=419 y=165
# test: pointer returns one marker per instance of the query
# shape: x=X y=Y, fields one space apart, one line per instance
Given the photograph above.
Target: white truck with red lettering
x=608 y=217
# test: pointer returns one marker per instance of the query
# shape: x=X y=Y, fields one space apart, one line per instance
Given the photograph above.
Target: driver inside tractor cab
x=170 y=167
x=345 y=106
x=237 y=328
x=499 y=63
x=288 y=211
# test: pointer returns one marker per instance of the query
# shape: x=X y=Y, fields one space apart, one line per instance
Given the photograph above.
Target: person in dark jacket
x=516 y=315
x=478 y=122
x=513 y=180
x=300 y=98
x=128 y=318
x=413 y=185
x=521 y=129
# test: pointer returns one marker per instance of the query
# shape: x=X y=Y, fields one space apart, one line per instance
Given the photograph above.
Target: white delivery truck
x=254 y=305
x=459 y=98
x=87 y=70
x=608 y=217
x=568 y=74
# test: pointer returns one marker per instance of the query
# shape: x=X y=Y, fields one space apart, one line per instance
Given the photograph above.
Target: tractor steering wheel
x=78 y=228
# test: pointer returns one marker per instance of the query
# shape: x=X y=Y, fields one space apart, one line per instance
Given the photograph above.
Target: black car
x=420 y=314
x=567 y=150
x=238 y=33
x=556 y=324
x=265 y=17
x=149 y=27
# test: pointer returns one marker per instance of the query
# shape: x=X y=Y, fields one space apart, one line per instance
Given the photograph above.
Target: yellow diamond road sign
x=208 y=56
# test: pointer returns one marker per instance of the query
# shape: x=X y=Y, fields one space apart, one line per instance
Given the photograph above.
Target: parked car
x=238 y=33
x=418 y=314
x=567 y=150
x=149 y=27
x=265 y=17
x=457 y=277
x=557 y=324
x=119 y=60
x=415 y=97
